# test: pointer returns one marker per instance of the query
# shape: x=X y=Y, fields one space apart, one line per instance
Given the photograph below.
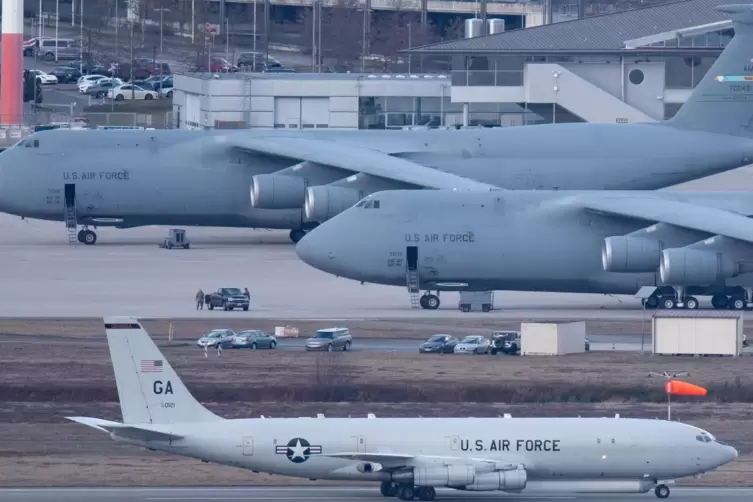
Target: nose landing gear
x=661 y=491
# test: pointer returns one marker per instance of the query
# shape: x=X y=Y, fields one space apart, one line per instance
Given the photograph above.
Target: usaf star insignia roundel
x=298 y=450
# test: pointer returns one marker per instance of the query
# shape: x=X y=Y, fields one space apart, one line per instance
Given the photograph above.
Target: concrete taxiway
x=125 y=273
x=340 y=494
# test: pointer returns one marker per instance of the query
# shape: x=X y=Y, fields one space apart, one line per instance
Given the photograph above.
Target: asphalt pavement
x=340 y=494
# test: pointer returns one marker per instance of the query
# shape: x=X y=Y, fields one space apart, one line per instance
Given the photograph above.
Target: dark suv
x=228 y=299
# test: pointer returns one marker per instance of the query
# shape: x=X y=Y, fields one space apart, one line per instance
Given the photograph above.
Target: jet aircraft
x=297 y=179
x=608 y=242
x=410 y=457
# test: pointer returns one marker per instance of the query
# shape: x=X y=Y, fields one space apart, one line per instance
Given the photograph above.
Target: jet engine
x=630 y=254
x=451 y=475
x=500 y=480
x=368 y=467
x=695 y=267
x=325 y=202
x=275 y=191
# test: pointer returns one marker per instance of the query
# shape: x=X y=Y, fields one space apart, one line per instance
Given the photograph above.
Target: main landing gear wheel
x=719 y=301
x=427 y=493
x=296 y=235
x=429 y=302
x=737 y=303
x=691 y=303
x=406 y=492
x=651 y=302
x=662 y=491
x=668 y=303
x=388 y=489
x=87 y=237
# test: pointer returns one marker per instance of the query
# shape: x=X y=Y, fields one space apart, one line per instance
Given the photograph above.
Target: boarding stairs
x=71 y=223
x=411 y=280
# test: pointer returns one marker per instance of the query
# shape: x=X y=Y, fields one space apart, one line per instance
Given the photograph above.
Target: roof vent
x=474 y=27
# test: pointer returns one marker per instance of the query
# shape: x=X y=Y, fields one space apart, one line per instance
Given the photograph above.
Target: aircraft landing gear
x=661 y=491
x=426 y=493
x=429 y=301
x=86 y=236
x=388 y=489
x=406 y=492
x=296 y=235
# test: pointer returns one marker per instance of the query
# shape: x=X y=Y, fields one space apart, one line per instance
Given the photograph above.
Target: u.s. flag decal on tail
x=151 y=366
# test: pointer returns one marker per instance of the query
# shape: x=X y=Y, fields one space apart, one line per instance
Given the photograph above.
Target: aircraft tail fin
x=149 y=390
x=722 y=102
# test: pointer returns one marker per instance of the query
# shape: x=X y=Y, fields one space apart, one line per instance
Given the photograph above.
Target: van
x=66 y=49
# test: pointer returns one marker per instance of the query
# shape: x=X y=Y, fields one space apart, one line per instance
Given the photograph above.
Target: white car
x=88 y=81
x=474 y=344
x=87 y=85
x=166 y=92
x=128 y=91
x=47 y=79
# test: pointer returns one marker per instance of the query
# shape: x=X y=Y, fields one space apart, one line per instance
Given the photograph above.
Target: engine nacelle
x=695 y=267
x=325 y=202
x=630 y=254
x=452 y=475
x=501 y=480
x=368 y=467
x=276 y=191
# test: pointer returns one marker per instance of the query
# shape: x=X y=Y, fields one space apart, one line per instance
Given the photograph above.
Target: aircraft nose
x=315 y=249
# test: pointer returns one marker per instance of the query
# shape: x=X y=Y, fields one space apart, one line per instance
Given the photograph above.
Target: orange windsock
x=680 y=388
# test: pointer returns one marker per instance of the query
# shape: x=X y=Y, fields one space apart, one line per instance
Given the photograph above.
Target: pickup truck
x=227 y=299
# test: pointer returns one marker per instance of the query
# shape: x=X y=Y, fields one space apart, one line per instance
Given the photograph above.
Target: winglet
x=148 y=388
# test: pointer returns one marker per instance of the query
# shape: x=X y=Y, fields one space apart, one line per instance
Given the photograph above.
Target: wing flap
x=357 y=159
x=682 y=214
x=140 y=433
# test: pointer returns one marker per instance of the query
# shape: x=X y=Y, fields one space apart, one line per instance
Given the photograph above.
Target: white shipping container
x=698 y=333
x=551 y=339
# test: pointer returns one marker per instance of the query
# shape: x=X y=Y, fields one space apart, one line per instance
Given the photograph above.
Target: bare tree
x=397 y=30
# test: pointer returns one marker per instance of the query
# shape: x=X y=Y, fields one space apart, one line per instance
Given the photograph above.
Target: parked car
x=473 y=344
x=217 y=64
x=46 y=78
x=506 y=342
x=255 y=61
x=217 y=338
x=66 y=75
x=87 y=81
x=64 y=48
x=130 y=91
x=253 y=339
x=166 y=92
x=330 y=339
x=228 y=299
x=438 y=344
x=100 y=88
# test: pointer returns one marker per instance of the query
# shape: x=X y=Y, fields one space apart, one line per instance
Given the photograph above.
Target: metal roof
x=596 y=33
x=695 y=314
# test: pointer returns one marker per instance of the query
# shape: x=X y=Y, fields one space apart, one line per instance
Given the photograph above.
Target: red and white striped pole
x=11 y=80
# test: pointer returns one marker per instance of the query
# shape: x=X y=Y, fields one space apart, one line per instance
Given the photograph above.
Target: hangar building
x=631 y=66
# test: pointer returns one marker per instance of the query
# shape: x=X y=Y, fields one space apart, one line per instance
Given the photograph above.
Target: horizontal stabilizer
x=357 y=159
x=140 y=433
x=681 y=214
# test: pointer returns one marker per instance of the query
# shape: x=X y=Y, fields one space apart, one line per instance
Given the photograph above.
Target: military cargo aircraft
x=297 y=179
x=409 y=457
x=608 y=242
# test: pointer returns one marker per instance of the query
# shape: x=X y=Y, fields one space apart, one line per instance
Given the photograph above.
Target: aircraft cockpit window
x=368 y=204
x=362 y=203
x=703 y=438
x=36 y=143
x=376 y=204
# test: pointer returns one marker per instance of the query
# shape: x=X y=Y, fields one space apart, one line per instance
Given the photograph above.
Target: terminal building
x=632 y=66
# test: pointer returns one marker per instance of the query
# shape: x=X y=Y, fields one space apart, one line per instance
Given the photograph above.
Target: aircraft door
x=360 y=443
x=70 y=195
x=248 y=446
x=411 y=257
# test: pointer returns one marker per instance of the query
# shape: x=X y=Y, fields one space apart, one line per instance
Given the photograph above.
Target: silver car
x=330 y=339
x=473 y=344
x=217 y=338
x=253 y=339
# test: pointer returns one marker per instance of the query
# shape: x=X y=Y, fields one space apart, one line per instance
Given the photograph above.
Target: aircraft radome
x=297 y=179
x=409 y=457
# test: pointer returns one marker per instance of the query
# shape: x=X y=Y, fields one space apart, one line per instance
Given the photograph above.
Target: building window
x=636 y=77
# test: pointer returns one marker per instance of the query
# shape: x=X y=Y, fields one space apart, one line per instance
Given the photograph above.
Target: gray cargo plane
x=297 y=179
x=410 y=457
x=680 y=243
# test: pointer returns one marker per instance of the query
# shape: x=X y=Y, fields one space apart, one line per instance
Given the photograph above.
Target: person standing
x=200 y=300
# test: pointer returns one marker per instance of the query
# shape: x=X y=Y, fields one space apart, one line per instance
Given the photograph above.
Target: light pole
x=313 y=36
x=254 y=63
x=40 y=21
x=57 y=20
x=410 y=44
x=193 y=19
x=81 y=34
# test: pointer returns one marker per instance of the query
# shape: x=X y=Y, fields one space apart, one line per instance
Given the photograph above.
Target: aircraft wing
x=138 y=432
x=698 y=217
x=396 y=460
x=355 y=159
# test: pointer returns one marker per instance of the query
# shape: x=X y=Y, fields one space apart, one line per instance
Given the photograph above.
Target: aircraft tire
x=89 y=237
x=427 y=493
x=406 y=492
x=422 y=302
x=652 y=302
x=719 y=301
x=432 y=302
x=737 y=303
x=668 y=303
x=661 y=491
x=691 y=303
x=296 y=235
x=388 y=489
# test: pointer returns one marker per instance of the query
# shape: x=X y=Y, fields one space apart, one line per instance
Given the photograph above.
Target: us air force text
x=510 y=445
x=454 y=237
x=121 y=175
